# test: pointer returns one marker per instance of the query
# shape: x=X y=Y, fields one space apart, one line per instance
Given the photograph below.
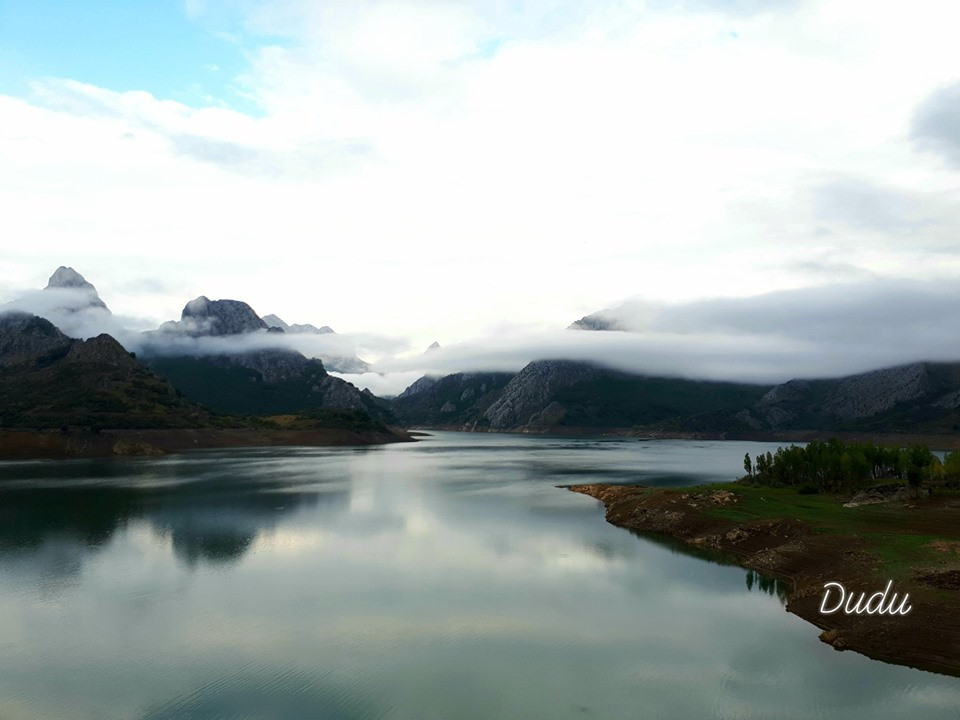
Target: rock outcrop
x=274 y=321
x=25 y=337
x=418 y=386
x=875 y=392
x=205 y=317
x=457 y=400
x=532 y=390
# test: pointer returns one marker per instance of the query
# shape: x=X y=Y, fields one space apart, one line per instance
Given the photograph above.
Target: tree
x=747 y=465
x=920 y=463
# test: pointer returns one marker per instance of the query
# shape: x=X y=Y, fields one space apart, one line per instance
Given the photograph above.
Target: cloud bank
x=814 y=332
x=809 y=333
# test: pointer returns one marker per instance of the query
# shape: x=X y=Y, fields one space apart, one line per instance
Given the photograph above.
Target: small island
x=859 y=514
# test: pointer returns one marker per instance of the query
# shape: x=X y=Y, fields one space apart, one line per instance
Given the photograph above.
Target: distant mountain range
x=257 y=381
x=563 y=394
x=246 y=377
x=347 y=365
x=219 y=355
x=545 y=395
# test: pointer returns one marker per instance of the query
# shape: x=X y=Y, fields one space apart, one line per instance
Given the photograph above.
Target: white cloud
x=808 y=333
x=431 y=170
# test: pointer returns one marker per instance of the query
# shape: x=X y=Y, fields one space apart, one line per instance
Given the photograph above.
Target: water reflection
x=768 y=584
x=444 y=579
x=58 y=513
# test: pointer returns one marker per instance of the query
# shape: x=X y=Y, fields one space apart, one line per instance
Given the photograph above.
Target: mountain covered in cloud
x=275 y=322
x=71 y=303
x=564 y=394
x=212 y=318
x=66 y=278
x=560 y=395
x=718 y=366
x=219 y=353
x=242 y=372
x=345 y=364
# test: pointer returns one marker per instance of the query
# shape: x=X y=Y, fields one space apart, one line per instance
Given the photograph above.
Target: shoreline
x=902 y=439
x=731 y=522
x=54 y=444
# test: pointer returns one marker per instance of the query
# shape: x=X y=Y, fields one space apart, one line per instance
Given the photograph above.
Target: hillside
x=565 y=394
x=921 y=398
x=457 y=400
x=253 y=378
x=268 y=382
x=49 y=380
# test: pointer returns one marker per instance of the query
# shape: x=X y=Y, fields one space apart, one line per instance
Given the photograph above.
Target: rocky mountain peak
x=103 y=350
x=203 y=316
x=433 y=346
x=336 y=363
x=593 y=322
x=531 y=389
x=66 y=278
x=274 y=321
x=24 y=336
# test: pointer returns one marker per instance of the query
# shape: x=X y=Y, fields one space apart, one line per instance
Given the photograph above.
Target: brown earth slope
x=808 y=541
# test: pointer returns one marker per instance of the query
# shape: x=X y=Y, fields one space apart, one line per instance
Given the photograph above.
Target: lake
x=445 y=579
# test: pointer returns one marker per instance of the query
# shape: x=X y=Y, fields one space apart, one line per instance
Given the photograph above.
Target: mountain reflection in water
x=447 y=578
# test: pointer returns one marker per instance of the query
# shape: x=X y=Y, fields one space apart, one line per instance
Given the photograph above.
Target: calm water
x=447 y=579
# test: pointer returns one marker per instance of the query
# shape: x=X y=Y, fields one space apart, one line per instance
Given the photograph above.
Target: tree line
x=838 y=465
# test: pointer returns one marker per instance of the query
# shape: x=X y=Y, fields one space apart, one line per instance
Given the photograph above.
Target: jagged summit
x=433 y=346
x=203 y=316
x=346 y=364
x=273 y=321
x=24 y=336
x=66 y=278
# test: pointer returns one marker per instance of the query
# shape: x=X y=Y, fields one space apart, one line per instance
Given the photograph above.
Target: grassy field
x=902 y=537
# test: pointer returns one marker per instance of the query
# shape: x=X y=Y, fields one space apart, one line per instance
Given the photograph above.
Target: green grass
x=898 y=536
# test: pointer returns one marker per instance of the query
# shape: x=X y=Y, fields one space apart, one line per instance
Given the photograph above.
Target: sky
x=455 y=171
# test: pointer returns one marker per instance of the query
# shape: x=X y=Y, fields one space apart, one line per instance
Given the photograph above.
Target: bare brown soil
x=806 y=558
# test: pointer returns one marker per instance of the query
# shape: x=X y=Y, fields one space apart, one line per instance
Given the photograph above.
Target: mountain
x=244 y=376
x=346 y=364
x=556 y=394
x=66 y=278
x=418 y=386
x=24 y=337
x=596 y=321
x=919 y=397
x=205 y=317
x=458 y=400
x=48 y=380
x=562 y=393
x=274 y=321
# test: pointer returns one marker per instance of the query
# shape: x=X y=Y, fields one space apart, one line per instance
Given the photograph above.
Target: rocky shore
x=810 y=542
